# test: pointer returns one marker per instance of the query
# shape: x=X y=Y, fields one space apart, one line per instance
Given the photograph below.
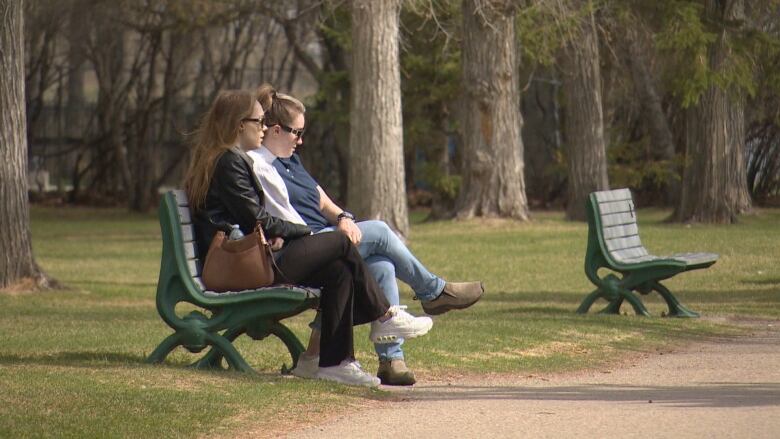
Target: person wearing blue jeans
x=294 y=195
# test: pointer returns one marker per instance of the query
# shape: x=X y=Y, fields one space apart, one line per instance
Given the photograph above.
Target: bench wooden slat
x=616 y=207
x=199 y=282
x=620 y=231
x=623 y=243
x=629 y=253
x=187 y=233
x=617 y=219
x=615 y=195
x=184 y=215
x=190 y=250
x=194 y=267
x=695 y=258
x=181 y=198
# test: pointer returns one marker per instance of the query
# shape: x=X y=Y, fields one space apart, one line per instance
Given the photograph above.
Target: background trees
x=493 y=182
x=16 y=260
x=376 y=165
x=583 y=109
x=610 y=91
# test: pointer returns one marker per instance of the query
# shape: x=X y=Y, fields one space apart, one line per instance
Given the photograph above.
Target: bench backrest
x=612 y=216
x=189 y=244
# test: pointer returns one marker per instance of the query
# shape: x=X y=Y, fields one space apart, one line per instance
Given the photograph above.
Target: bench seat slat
x=638 y=259
x=695 y=258
x=623 y=243
x=621 y=231
x=617 y=219
x=629 y=253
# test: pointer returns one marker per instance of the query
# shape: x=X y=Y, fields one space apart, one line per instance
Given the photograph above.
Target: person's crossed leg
x=388 y=258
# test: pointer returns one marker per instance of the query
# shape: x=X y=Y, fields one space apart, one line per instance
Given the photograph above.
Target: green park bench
x=613 y=243
x=256 y=313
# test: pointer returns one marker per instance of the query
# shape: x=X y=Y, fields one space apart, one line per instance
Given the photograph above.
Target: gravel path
x=724 y=388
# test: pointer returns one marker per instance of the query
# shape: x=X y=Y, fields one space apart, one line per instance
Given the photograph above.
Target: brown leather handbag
x=241 y=264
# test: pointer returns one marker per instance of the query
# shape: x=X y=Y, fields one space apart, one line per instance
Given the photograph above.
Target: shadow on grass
x=775 y=281
x=152 y=285
x=74 y=359
x=702 y=395
x=708 y=296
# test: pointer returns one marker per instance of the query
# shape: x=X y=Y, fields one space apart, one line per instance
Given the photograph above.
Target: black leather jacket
x=235 y=196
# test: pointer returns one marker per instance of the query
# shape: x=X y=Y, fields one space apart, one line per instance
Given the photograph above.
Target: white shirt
x=277 y=199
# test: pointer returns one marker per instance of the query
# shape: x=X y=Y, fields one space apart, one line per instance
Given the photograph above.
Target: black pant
x=350 y=295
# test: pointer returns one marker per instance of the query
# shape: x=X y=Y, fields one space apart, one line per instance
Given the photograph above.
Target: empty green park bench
x=256 y=313
x=613 y=243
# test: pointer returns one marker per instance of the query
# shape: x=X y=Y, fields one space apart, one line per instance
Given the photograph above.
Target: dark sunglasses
x=260 y=121
x=297 y=133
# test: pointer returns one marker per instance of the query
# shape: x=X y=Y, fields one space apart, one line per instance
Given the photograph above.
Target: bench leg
x=291 y=341
x=225 y=348
x=613 y=307
x=636 y=303
x=213 y=358
x=166 y=346
x=675 y=308
x=633 y=300
x=588 y=302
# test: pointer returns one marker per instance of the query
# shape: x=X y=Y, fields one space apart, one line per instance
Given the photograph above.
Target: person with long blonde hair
x=223 y=191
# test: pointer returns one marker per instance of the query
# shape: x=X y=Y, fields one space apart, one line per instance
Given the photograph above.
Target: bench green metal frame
x=256 y=313
x=614 y=244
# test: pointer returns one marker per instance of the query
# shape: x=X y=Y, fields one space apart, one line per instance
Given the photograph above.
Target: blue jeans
x=387 y=258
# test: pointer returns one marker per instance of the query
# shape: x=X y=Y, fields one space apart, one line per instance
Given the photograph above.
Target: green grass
x=71 y=362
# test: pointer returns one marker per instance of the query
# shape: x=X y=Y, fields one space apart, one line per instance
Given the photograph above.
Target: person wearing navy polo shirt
x=293 y=194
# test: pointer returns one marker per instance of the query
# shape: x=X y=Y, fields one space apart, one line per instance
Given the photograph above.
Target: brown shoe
x=395 y=373
x=456 y=295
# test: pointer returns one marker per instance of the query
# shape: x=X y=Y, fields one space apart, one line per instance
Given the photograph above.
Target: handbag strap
x=267 y=246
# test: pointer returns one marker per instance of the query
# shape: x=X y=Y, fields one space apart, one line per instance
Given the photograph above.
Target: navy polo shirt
x=302 y=188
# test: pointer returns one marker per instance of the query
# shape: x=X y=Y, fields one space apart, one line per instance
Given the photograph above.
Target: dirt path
x=725 y=388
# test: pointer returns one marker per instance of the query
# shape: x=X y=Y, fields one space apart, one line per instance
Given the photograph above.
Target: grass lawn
x=71 y=362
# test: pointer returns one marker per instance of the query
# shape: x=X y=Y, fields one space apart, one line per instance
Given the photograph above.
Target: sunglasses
x=260 y=121
x=297 y=133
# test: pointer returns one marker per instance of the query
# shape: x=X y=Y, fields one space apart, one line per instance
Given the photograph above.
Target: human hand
x=276 y=243
x=349 y=228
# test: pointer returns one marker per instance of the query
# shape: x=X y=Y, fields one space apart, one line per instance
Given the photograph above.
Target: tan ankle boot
x=456 y=295
x=395 y=373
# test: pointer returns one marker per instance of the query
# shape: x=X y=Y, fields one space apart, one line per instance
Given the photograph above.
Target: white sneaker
x=307 y=366
x=350 y=373
x=400 y=325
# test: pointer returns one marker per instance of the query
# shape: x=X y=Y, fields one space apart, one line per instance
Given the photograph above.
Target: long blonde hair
x=218 y=132
x=281 y=109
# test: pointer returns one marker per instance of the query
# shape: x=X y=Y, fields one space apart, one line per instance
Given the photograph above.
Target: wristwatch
x=345 y=214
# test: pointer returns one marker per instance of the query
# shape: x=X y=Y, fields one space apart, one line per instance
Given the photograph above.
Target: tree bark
x=714 y=188
x=17 y=263
x=493 y=183
x=376 y=166
x=654 y=116
x=583 y=119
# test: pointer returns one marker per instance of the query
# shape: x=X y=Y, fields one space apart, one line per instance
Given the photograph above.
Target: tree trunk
x=376 y=167
x=714 y=186
x=17 y=263
x=654 y=116
x=493 y=184
x=583 y=119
